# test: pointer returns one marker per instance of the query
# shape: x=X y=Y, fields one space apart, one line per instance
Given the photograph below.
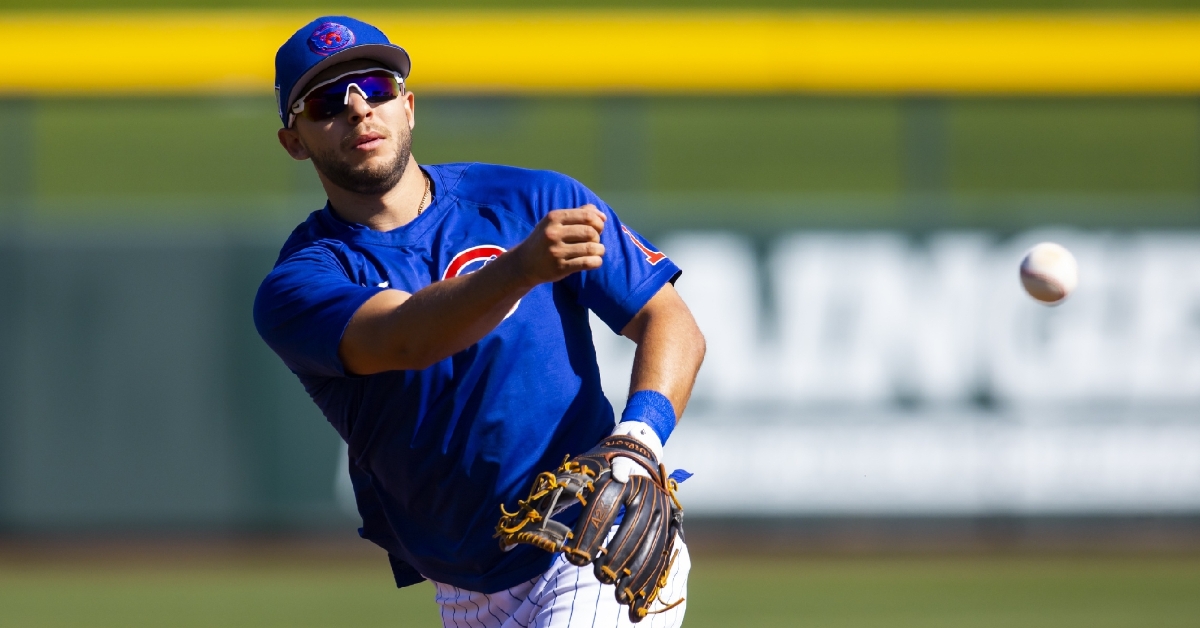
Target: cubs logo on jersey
x=473 y=259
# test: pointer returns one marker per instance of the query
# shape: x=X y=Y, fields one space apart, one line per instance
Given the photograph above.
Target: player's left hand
x=638 y=555
x=623 y=466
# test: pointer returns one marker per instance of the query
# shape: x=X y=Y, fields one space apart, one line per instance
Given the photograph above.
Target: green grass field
x=981 y=592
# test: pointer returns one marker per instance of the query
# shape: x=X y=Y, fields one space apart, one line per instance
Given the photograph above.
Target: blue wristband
x=652 y=408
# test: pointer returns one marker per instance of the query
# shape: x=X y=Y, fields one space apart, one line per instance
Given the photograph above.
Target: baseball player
x=439 y=317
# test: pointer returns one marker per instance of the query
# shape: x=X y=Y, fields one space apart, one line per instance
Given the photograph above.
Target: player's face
x=364 y=148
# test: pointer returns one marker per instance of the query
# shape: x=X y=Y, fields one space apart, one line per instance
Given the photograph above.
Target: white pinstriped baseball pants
x=565 y=596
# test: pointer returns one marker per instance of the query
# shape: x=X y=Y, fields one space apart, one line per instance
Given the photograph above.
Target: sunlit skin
x=396 y=330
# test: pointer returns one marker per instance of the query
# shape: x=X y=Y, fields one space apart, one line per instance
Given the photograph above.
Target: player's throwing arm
x=396 y=330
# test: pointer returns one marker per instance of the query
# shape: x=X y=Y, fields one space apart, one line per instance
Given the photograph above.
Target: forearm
x=449 y=316
x=395 y=330
x=670 y=349
x=418 y=330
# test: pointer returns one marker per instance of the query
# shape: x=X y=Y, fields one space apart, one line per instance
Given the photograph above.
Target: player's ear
x=291 y=142
x=410 y=107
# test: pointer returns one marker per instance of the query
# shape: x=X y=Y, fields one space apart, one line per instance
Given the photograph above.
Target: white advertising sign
x=869 y=373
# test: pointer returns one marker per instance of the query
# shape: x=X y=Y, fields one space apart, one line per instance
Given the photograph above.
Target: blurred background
x=886 y=432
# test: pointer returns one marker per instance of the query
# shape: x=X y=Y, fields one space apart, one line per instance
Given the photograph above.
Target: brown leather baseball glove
x=638 y=557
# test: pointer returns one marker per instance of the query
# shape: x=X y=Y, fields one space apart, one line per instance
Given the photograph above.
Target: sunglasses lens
x=330 y=100
x=379 y=88
x=318 y=108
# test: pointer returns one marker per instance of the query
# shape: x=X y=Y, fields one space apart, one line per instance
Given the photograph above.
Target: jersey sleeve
x=303 y=307
x=634 y=270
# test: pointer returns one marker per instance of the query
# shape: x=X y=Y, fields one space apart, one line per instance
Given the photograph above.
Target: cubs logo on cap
x=329 y=38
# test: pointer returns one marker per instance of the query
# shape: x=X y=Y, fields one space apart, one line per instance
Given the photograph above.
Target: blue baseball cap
x=326 y=41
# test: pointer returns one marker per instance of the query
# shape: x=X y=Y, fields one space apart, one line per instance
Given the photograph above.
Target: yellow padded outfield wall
x=635 y=52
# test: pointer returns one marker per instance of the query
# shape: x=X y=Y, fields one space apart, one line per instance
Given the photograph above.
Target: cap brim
x=390 y=55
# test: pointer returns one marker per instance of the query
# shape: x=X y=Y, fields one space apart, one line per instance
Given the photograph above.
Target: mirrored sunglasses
x=329 y=98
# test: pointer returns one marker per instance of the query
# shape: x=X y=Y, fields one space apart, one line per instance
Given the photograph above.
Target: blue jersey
x=433 y=453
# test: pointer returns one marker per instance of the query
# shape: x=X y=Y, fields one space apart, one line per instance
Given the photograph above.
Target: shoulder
x=314 y=232
x=319 y=245
x=517 y=189
x=299 y=271
x=310 y=254
x=494 y=177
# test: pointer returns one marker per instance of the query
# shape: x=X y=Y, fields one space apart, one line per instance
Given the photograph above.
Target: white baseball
x=1049 y=273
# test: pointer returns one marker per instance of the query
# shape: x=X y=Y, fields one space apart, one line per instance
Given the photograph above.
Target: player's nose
x=358 y=107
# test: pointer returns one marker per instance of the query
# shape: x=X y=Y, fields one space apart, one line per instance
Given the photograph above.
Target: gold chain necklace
x=424 y=197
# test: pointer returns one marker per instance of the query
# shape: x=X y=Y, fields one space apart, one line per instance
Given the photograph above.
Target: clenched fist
x=565 y=241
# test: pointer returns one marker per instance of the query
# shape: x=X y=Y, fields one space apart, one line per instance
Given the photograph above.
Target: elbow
x=389 y=357
x=699 y=344
x=415 y=358
x=423 y=362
